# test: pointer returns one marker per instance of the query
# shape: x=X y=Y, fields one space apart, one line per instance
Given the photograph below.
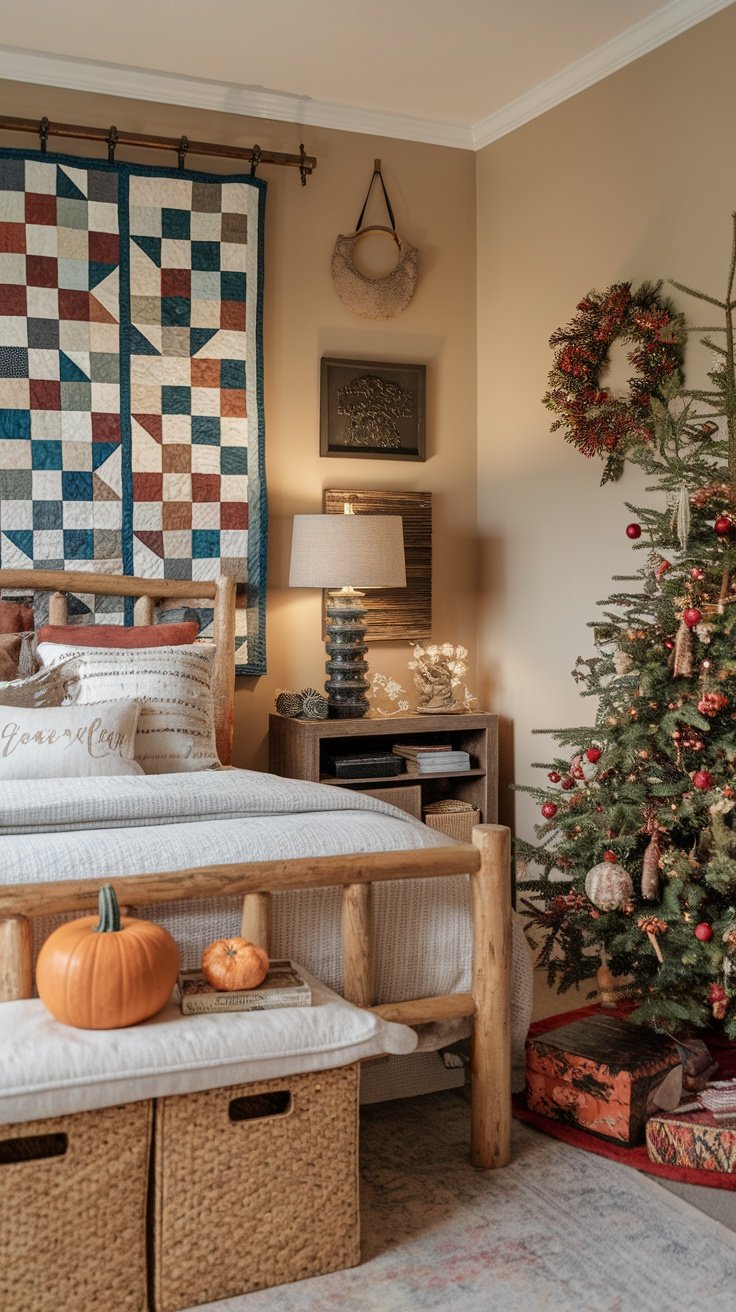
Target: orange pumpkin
x=234 y=963
x=104 y=972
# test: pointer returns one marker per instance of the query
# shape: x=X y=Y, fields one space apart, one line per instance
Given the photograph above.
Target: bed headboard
x=147 y=593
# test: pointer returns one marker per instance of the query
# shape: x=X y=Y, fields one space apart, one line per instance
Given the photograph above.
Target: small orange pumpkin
x=104 y=972
x=234 y=963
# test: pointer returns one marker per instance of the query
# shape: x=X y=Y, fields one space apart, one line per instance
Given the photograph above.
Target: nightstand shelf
x=300 y=749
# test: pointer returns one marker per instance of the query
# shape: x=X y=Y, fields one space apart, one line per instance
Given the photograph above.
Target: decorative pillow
x=118 y=635
x=10 y=645
x=68 y=741
x=15 y=617
x=45 y=688
x=176 y=730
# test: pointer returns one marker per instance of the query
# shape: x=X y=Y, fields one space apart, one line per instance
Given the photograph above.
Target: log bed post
x=143 y=610
x=16 y=958
x=255 y=923
x=58 y=612
x=357 y=948
x=490 y=1061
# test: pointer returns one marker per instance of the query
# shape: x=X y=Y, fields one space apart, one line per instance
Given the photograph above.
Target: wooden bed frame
x=486 y=861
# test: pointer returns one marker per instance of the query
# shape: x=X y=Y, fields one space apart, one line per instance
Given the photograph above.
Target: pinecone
x=316 y=707
x=289 y=703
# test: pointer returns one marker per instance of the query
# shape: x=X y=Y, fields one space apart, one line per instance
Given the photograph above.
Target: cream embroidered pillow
x=176 y=730
x=52 y=742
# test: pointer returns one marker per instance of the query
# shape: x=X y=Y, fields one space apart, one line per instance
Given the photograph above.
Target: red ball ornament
x=593 y=754
x=610 y=856
x=703 y=931
x=723 y=526
x=554 y=777
x=691 y=616
x=702 y=779
x=549 y=810
x=696 y=573
x=567 y=784
x=633 y=530
x=669 y=644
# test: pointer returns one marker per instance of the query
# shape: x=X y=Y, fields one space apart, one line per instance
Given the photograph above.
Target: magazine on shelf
x=417 y=749
x=437 y=766
x=284 y=986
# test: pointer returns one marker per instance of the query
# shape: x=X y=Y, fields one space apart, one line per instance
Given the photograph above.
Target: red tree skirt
x=723 y=1051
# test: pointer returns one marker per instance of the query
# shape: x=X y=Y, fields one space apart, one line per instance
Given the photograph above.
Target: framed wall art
x=372 y=409
x=395 y=614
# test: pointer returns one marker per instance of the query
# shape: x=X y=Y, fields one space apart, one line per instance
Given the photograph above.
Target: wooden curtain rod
x=113 y=138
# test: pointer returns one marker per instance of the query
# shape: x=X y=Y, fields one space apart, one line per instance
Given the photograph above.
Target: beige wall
x=629 y=180
x=433 y=193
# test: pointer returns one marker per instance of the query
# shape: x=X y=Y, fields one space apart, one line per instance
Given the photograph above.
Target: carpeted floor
x=556 y=1231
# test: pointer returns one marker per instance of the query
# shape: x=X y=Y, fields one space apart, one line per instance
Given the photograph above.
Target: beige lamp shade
x=347 y=551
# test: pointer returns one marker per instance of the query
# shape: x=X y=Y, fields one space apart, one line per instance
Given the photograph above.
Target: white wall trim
x=636 y=41
x=198 y=93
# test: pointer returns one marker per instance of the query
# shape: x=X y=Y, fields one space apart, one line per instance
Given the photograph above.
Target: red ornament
x=567 y=784
x=691 y=616
x=633 y=530
x=610 y=856
x=669 y=644
x=696 y=573
x=723 y=526
x=549 y=810
x=593 y=754
x=702 y=779
x=554 y=777
x=703 y=931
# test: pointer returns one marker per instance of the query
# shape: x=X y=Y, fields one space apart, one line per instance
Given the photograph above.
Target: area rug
x=723 y=1051
x=554 y=1231
x=131 y=406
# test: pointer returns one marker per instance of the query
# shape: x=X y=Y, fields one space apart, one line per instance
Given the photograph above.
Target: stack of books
x=431 y=758
x=284 y=986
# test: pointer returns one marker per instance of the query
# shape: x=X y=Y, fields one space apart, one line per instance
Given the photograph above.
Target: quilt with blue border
x=131 y=380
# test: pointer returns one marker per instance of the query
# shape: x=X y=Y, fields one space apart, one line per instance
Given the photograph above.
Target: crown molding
x=198 y=93
x=636 y=41
x=254 y=102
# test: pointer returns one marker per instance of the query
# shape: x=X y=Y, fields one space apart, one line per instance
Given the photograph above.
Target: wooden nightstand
x=300 y=749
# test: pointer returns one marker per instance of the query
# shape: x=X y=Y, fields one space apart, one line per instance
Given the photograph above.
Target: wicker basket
x=73 y=1216
x=456 y=819
x=255 y=1185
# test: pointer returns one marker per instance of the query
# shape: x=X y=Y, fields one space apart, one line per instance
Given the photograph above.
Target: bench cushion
x=49 y=1069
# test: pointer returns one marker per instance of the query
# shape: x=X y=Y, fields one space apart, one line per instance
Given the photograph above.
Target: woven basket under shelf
x=246 y=1204
x=73 y=1220
x=451 y=817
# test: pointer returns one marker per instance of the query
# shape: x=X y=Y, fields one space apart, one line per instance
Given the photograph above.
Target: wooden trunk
x=603 y=1075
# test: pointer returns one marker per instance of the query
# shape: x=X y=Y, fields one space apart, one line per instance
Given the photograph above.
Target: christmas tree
x=633 y=876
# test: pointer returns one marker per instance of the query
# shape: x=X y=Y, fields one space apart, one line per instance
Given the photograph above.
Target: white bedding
x=102 y=828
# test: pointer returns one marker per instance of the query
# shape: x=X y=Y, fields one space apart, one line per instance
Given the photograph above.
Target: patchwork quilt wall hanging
x=131 y=379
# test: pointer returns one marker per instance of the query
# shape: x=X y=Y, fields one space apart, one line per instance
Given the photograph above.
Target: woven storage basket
x=453 y=818
x=245 y=1204
x=73 y=1225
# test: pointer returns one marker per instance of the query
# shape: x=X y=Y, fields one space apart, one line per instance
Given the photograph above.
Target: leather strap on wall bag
x=374 y=298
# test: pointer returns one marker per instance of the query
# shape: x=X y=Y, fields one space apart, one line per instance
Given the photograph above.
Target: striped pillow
x=176 y=730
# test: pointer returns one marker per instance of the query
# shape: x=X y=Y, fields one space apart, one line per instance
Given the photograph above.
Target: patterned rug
x=557 y=1230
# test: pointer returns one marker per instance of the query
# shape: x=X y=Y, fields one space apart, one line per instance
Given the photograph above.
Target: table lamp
x=346 y=553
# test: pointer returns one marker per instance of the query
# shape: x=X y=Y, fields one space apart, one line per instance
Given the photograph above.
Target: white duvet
x=101 y=828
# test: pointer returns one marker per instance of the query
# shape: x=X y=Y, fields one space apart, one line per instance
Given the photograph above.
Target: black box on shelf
x=365 y=765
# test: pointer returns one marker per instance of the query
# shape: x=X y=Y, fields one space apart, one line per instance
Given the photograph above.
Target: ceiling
x=453 y=72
